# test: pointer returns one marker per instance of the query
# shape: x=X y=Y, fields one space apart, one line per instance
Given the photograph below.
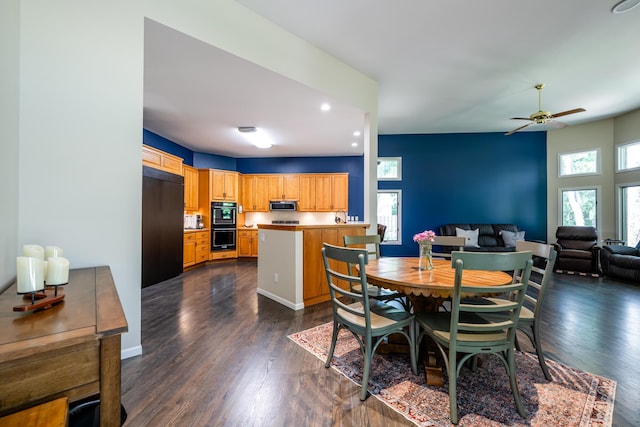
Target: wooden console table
x=70 y=350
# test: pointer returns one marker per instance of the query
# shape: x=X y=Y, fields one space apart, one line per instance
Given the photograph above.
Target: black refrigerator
x=162 y=225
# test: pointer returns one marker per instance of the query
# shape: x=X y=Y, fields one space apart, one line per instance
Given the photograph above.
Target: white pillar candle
x=53 y=251
x=45 y=265
x=30 y=272
x=57 y=271
x=34 y=251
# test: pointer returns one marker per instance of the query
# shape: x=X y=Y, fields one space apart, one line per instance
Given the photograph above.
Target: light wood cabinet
x=315 y=289
x=190 y=188
x=324 y=192
x=196 y=248
x=224 y=185
x=247 y=243
x=157 y=159
x=284 y=187
x=255 y=195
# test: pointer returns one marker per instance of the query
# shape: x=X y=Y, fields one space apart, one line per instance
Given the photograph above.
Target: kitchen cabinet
x=157 y=159
x=324 y=192
x=196 y=248
x=315 y=289
x=190 y=188
x=284 y=187
x=255 y=195
x=224 y=185
x=248 y=243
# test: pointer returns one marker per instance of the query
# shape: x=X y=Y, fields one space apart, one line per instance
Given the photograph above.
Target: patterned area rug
x=573 y=398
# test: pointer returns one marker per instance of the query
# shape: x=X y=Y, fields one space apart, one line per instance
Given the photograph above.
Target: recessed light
x=356 y=133
x=624 y=6
x=325 y=107
x=354 y=144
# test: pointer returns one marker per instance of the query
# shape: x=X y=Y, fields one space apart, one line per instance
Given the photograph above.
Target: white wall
x=9 y=138
x=603 y=134
x=74 y=125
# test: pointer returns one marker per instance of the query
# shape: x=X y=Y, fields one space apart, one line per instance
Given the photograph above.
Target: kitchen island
x=290 y=267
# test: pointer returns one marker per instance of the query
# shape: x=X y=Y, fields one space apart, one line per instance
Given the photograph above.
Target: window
x=578 y=206
x=389 y=202
x=630 y=214
x=579 y=163
x=389 y=168
x=628 y=156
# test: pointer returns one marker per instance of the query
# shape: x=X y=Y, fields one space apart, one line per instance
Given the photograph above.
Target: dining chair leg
x=511 y=370
x=538 y=346
x=334 y=339
x=452 y=373
x=412 y=348
x=367 y=366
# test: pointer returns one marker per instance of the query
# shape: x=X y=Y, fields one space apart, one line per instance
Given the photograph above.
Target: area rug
x=572 y=398
x=578 y=273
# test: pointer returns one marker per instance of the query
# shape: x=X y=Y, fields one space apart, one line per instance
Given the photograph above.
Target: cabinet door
x=190 y=188
x=275 y=187
x=244 y=243
x=340 y=192
x=248 y=193
x=324 y=193
x=307 y=200
x=189 y=250
x=217 y=184
x=291 y=187
x=224 y=185
x=254 y=243
x=231 y=186
x=262 y=193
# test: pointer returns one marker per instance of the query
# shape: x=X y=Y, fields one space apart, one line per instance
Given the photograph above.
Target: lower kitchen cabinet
x=196 y=248
x=247 y=243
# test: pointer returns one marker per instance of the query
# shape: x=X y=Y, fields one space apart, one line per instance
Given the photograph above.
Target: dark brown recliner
x=577 y=249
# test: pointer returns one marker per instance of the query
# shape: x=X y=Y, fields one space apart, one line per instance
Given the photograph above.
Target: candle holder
x=41 y=300
x=40 y=290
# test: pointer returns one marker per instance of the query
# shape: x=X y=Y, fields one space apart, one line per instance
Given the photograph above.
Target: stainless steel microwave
x=282 y=206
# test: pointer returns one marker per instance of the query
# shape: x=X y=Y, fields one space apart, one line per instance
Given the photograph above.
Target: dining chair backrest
x=337 y=264
x=544 y=260
x=452 y=242
x=466 y=336
x=370 y=241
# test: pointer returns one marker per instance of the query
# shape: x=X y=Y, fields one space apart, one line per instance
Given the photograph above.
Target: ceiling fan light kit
x=624 y=6
x=544 y=117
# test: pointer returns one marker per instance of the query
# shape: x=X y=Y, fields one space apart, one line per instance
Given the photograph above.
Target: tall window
x=578 y=206
x=389 y=203
x=628 y=156
x=630 y=214
x=579 y=163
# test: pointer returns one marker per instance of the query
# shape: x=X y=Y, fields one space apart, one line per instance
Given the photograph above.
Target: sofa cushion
x=509 y=237
x=470 y=236
x=625 y=261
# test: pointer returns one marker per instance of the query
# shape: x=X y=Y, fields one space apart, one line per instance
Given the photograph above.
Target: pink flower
x=427 y=235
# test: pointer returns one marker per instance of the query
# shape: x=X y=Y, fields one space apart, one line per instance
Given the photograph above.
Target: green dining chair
x=463 y=333
x=372 y=243
x=369 y=321
x=529 y=320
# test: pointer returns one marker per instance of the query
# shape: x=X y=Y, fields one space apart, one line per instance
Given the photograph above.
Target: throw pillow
x=470 y=237
x=509 y=237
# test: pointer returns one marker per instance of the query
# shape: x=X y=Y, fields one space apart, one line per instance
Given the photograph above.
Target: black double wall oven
x=223 y=225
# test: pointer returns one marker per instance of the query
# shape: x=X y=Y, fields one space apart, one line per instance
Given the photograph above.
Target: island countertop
x=300 y=227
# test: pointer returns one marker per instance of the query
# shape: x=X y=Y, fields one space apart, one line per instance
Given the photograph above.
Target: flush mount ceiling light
x=255 y=136
x=624 y=6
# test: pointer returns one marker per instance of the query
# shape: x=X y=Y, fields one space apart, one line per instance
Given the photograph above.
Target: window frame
x=398 y=160
x=619 y=150
x=397 y=242
x=598 y=163
x=598 y=191
x=620 y=209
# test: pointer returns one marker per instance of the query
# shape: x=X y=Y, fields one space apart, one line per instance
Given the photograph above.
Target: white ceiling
x=442 y=67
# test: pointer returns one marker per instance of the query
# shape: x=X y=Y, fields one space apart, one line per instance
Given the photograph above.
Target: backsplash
x=305 y=218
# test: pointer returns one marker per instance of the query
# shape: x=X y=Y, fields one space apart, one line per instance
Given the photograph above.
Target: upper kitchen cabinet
x=324 y=192
x=160 y=160
x=190 y=188
x=255 y=195
x=284 y=187
x=224 y=185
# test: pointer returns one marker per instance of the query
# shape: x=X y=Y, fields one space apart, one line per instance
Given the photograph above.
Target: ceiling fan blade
x=557 y=124
x=566 y=113
x=517 y=129
x=520 y=118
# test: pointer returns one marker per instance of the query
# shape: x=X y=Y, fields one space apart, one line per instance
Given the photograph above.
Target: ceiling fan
x=544 y=117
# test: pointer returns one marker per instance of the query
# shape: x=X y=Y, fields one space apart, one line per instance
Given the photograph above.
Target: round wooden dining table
x=426 y=288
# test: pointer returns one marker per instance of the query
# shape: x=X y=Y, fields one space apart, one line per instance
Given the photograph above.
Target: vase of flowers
x=424 y=241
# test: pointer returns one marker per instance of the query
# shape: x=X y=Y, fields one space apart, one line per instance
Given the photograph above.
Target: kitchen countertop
x=298 y=227
x=193 y=230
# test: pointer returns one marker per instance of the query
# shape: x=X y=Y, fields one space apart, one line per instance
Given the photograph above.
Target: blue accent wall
x=468 y=178
x=354 y=165
x=213 y=161
x=156 y=141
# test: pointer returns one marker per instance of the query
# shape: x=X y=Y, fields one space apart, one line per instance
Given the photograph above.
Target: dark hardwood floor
x=215 y=353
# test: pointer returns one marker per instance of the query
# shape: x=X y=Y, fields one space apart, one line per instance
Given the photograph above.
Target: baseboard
x=281 y=300
x=131 y=352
